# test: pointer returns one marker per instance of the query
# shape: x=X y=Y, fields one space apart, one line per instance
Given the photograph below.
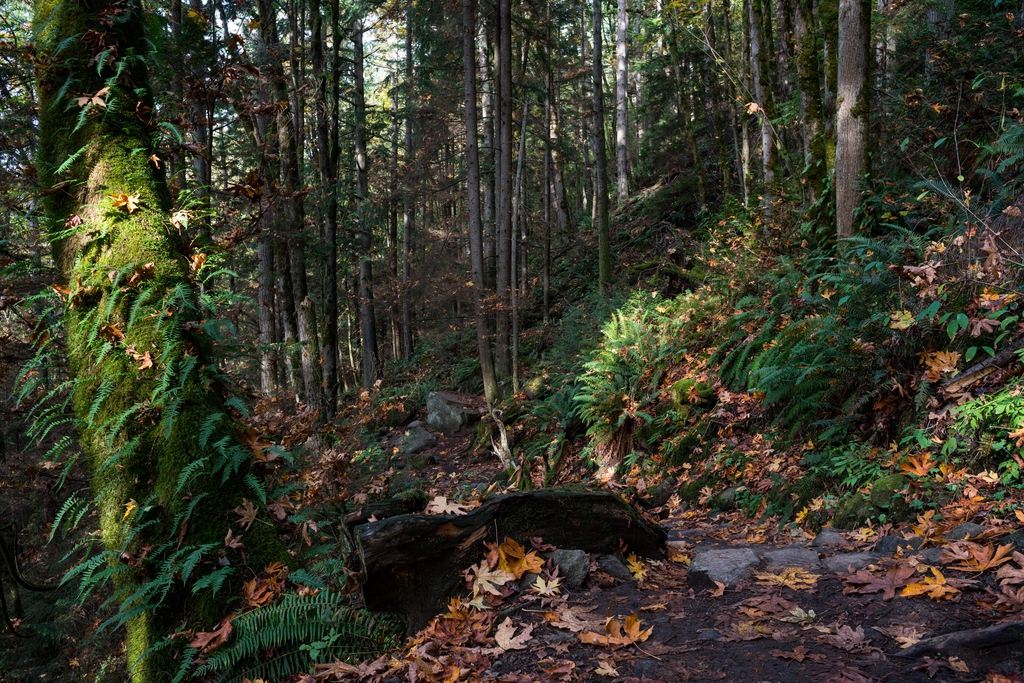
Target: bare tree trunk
x=765 y=107
x=601 y=199
x=408 y=208
x=476 y=250
x=853 y=106
x=367 y=319
x=487 y=170
x=517 y=217
x=265 y=313
x=504 y=190
x=621 y=106
x=286 y=311
x=810 y=99
x=327 y=182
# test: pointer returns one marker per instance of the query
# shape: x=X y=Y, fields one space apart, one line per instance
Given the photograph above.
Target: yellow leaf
x=934 y=586
x=129 y=507
x=636 y=567
x=514 y=559
x=129 y=201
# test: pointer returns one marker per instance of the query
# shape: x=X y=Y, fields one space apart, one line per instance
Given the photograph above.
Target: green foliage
x=299 y=632
x=994 y=425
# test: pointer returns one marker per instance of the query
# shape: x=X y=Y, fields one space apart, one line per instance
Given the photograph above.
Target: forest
x=513 y=341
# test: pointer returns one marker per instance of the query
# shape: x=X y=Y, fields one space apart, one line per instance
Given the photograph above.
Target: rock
x=399 y=415
x=415 y=423
x=614 y=567
x=884 y=490
x=845 y=562
x=709 y=634
x=726 y=565
x=793 y=556
x=964 y=531
x=726 y=500
x=930 y=555
x=1016 y=538
x=573 y=567
x=416 y=440
x=882 y=501
x=421 y=461
x=829 y=538
x=449 y=412
x=890 y=544
x=661 y=493
x=528 y=580
x=686 y=392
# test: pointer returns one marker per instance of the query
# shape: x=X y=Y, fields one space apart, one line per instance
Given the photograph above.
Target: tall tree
x=408 y=205
x=604 y=248
x=473 y=201
x=134 y=340
x=367 y=318
x=621 y=105
x=502 y=346
x=853 y=103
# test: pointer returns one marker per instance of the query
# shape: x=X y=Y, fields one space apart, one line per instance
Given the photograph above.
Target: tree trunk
x=504 y=191
x=327 y=181
x=853 y=106
x=766 y=109
x=367 y=319
x=517 y=217
x=621 y=106
x=487 y=170
x=408 y=207
x=604 y=249
x=145 y=383
x=810 y=99
x=473 y=202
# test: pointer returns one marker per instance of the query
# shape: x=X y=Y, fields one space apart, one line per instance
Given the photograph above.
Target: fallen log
x=413 y=500
x=999 y=636
x=411 y=563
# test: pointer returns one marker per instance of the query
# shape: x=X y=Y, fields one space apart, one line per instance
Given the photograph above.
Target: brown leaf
x=247 y=513
x=232 y=541
x=616 y=635
x=129 y=202
x=210 y=640
x=864 y=582
x=799 y=654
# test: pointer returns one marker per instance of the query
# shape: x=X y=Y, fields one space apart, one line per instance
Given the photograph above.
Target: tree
x=367 y=320
x=852 y=108
x=604 y=248
x=621 y=106
x=473 y=201
x=148 y=397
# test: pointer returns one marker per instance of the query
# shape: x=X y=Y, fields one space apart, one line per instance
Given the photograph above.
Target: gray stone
x=890 y=544
x=528 y=580
x=416 y=440
x=845 y=562
x=793 y=556
x=1016 y=538
x=422 y=461
x=965 y=530
x=661 y=493
x=726 y=500
x=573 y=567
x=614 y=567
x=930 y=555
x=829 y=538
x=415 y=423
x=709 y=634
x=449 y=412
x=727 y=565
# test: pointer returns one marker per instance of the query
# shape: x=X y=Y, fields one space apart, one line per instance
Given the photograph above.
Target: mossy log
x=411 y=563
x=414 y=500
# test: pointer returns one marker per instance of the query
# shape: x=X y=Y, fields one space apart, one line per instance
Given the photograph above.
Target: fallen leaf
x=799 y=654
x=208 y=641
x=247 y=513
x=546 y=589
x=440 y=506
x=232 y=541
x=606 y=667
x=973 y=557
x=796 y=578
x=130 y=202
x=575 y=619
x=618 y=635
x=485 y=580
x=654 y=608
x=1012 y=576
x=864 y=582
x=129 y=507
x=506 y=639
x=905 y=635
x=719 y=591
x=934 y=586
x=514 y=559
x=850 y=640
x=636 y=567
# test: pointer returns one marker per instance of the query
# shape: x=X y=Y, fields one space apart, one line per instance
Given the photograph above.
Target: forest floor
x=846 y=607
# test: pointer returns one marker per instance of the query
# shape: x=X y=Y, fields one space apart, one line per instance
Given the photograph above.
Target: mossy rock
x=882 y=501
x=683 y=391
x=884 y=490
x=484 y=431
x=690 y=491
x=682 y=452
x=852 y=512
x=536 y=387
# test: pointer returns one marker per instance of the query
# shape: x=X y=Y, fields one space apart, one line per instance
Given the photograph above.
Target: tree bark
x=139 y=425
x=621 y=106
x=853 y=106
x=810 y=99
x=502 y=346
x=766 y=109
x=367 y=319
x=473 y=201
x=408 y=206
x=487 y=169
x=604 y=250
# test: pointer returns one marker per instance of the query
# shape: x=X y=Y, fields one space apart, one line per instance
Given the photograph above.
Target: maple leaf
x=208 y=641
x=606 y=667
x=656 y=607
x=796 y=578
x=111 y=333
x=483 y=579
x=1012 y=576
x=977 y=558
x=918 y=465
x=141 y=274
x=636 y=567
x=618 y=635
x=850 y=640
x=939 y=363
x=130 y=202
x=864 y=582
x=934 y=586
x=440 y=506
x=505 y=637
x=247 y=513
x=575 y=619
x=905 y=635
x=232 y=541
x=129 y=507
x=547 y=589
x=799 y=654
x=514 y=559
x=94 y=99
x=901 y=320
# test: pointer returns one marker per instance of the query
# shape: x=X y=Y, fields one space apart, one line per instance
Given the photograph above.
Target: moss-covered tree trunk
x=167 y=466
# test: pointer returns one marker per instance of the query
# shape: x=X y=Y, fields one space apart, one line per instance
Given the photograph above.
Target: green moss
x=685 y=391
x=884 y=490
